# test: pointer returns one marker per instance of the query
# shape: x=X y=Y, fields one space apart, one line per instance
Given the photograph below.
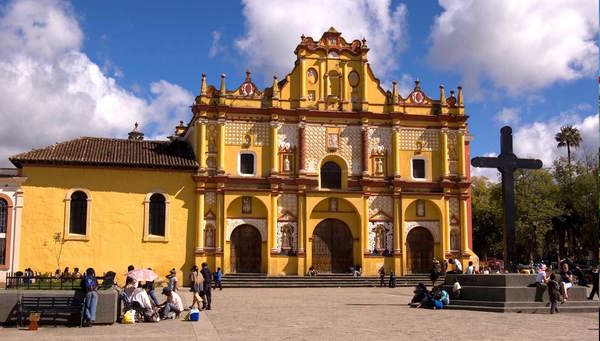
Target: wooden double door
x=419 y=251
x=245 y=249
x=332 y=247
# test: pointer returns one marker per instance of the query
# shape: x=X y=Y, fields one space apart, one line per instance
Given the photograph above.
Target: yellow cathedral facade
x=323 y=168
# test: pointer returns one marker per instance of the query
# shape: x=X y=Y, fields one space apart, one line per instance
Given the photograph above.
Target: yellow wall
x=117 y=220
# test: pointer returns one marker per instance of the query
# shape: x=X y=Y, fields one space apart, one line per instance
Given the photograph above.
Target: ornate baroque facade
x=323 y=168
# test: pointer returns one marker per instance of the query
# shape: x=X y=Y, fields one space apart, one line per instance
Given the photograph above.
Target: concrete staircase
x=321 y=280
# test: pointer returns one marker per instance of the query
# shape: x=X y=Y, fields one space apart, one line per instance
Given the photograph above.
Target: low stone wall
x=106 y=311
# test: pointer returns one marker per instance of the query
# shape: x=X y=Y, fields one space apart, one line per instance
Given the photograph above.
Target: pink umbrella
x=142 y=275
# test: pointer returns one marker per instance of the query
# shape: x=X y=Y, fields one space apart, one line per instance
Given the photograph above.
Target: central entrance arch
x=419 y=247
x=245 y=249
x=332 y=247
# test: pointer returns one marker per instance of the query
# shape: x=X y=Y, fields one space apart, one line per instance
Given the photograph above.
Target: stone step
x=565 y=308
x=523 y=303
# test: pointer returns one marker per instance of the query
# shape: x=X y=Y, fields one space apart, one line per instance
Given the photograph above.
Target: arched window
x=454 y=239
x=331 y=175
x=157 y=215
x=78 y=213
x=3 y=215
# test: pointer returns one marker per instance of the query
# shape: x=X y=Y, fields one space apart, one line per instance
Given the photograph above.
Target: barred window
x=331 y=175
x=78 y=214
x=157 y=215
x=3 y=216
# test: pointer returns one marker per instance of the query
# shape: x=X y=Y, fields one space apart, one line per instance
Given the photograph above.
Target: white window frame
x=67 y=235
x=239 y=162
x=151 y=237
x=426 y=166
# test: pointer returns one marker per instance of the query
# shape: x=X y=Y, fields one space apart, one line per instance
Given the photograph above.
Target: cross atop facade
x=507 y=162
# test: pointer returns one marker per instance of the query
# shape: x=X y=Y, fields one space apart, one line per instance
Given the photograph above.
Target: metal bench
x=53 y=306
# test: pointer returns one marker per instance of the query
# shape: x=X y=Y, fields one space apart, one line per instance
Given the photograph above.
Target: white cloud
x=536 y=140
x=519 y=45
x=508 y=116
x=215 y=47
x=274 y=27
x=51 y=91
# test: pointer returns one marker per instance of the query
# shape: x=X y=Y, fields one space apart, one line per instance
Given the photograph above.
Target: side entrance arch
x=245 y=249
x=332 y=247
x=419 y=250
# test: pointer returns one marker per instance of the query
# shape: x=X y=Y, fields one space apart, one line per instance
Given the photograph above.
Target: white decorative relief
x=410 y=138
x=389 y=234
x=260 y=224
x=278 y=239
x=315 y=146
x=454 y=208
x=380 y=137
x=381 y=203
x=288 y=133
x=350 y=148
x=452 y=152
x=287 y=202
x=235 y=131
x=432 y=226
x=210 y=200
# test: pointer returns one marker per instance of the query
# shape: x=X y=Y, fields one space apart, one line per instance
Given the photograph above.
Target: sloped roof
x=110 y=152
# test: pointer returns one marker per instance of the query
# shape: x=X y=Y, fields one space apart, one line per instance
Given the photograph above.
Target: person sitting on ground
x=553 y=293
x=76 y=274
x=444 y=297
x=470 y=268
x=172 y=280
x=138 y=295
x=566 y=277
x=456 y=290
x=457 y=266
x=436 y=294
x=312 y=272
x=381 y=276
x=173 y=305
x=419 y=293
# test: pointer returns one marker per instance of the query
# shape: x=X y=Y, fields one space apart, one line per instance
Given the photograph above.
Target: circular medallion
x=311 y=75
x=418 y=97
x=247 y=89
x=353 y=79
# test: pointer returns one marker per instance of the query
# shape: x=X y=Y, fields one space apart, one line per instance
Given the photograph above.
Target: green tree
x=487 y=217
x=568 y=136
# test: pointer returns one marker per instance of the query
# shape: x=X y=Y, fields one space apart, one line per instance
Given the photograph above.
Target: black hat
x=166 y=291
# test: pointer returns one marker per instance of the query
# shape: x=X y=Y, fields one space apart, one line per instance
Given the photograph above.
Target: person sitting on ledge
x=312 y=272
x=457 y=266
x=470 y=268
x=566 y=277
x=456 y=290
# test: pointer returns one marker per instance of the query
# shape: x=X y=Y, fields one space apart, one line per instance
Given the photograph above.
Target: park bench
x=53 y=306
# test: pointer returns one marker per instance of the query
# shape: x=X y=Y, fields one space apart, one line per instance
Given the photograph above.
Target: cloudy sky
x=93 y=68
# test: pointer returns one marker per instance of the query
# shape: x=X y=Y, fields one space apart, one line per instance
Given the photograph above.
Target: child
x=217 y=276
x=553 y=293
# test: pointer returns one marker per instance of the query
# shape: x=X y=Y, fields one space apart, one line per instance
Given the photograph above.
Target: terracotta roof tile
x=95 y=151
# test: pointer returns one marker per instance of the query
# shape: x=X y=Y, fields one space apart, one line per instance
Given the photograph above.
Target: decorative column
x=302 y=147
x=199 y=220
x=461 y=152
x=16 y=228
x=397 y=236
x=464 y=226
x=365 y=149
x=303 y=94
x=273 y=223
x=364 y=94
x=395 y=151
x=344 y=81
x=201 y=143
x=301 y=221
x=321 y=79
x=221 y=221
x=274 y=129
x=446 y=227
x=444 y=151
x=365 y=223
x=221 y=150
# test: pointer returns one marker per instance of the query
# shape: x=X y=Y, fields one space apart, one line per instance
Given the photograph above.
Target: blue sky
x=532 y=66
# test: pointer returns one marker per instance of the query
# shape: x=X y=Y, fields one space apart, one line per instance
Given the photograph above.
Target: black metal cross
x=507 y=162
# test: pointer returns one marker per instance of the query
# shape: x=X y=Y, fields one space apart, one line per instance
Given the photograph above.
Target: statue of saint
x=379 y=238
x=379 y=166
x=210 y=236
x=333 y=205
x=286 y=163
x=246 y=205
x=286 y=237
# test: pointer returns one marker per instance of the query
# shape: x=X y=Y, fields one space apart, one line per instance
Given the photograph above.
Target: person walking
x=217 y=278
x=381 y=277
x=594 y=283
x=392 y=281
x=436 y=270
x=89 y=285
x=207 y=275
x=553 y=293
x=197 y=284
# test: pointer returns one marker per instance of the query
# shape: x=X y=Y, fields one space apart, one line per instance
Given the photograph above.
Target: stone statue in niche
x=333 y=205
x=454 y=242
x=246 y=205
x=379 y=166
x=420 y=208
x=247 y=140
x=210 y=236
x=286 y=163
x=286 y=237
x=211 y=143
x=332 y=142
x=380 y=238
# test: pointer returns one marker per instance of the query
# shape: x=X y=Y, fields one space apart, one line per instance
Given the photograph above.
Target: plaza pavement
x=330 y=314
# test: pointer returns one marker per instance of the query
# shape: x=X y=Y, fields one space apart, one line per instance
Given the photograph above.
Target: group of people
x=437 y=298
x=392 y=280
x=67 y=274
x=142 y=298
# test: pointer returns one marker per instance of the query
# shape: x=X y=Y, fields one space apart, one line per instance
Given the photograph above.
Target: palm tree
x=570 y=137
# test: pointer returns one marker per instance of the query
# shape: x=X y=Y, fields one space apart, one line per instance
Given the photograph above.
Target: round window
x=311 y=74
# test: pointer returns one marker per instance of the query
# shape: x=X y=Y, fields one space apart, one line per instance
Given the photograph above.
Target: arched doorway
x=331 y=175
x=245 y=249
x=419 y=250
x=332 y=247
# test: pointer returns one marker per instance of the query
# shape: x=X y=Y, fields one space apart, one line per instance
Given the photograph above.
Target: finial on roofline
x=135 y=134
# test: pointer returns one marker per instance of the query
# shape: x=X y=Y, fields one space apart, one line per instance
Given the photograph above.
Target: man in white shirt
x=172 y=304
x=457 y=265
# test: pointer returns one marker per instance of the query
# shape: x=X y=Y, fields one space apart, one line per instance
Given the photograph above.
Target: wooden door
x=245 y=249
x=332 y=247
x=419 y=244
